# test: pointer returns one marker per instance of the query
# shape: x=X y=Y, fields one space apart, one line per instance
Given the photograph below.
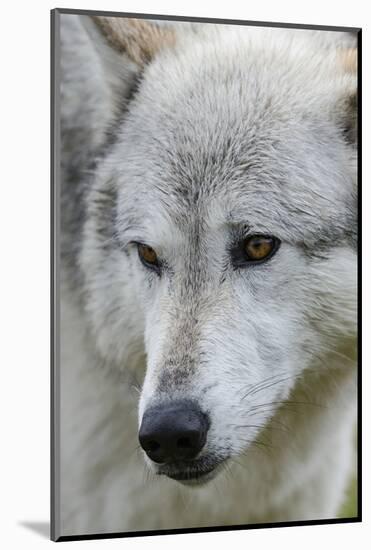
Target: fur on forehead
x=305 y=63
x=236 y=106
x=210 y=102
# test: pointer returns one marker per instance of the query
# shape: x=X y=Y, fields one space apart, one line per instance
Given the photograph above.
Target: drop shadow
x=42 y=528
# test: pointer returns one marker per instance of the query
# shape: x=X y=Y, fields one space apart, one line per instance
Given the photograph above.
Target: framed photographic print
x=204 y=274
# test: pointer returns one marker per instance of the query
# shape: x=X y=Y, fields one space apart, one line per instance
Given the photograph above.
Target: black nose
x=175 y=431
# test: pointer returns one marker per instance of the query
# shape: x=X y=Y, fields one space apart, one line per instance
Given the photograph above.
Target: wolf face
x=220 y=231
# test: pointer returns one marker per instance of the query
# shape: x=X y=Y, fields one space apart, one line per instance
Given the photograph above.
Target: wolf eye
x=259 y=247
x=255 y=249
x=148 y=256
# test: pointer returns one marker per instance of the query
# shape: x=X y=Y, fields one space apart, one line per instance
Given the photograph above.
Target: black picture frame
x=54 y=281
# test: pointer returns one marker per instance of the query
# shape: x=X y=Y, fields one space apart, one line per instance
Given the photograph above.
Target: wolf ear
x=347 y=105
x=348 y=60
x=139 y=39
x=125 y=46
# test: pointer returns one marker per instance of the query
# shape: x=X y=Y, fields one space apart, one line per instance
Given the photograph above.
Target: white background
x=24 y=298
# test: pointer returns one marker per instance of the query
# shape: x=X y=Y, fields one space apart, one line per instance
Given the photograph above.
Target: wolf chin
x=208 y=274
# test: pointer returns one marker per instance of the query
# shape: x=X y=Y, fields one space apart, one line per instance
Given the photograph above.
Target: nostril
x=184 y=443
x=152 y=446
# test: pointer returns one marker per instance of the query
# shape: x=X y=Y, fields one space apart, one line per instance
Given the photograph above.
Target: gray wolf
x=208 y=279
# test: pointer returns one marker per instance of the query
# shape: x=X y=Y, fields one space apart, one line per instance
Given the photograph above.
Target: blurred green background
x=349 y=508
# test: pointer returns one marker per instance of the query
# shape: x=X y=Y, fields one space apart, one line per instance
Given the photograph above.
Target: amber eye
x=254 y=249
x=260 y=247
x=148 y=256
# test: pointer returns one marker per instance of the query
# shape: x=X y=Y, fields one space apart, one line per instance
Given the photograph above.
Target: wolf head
x=221 y=226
